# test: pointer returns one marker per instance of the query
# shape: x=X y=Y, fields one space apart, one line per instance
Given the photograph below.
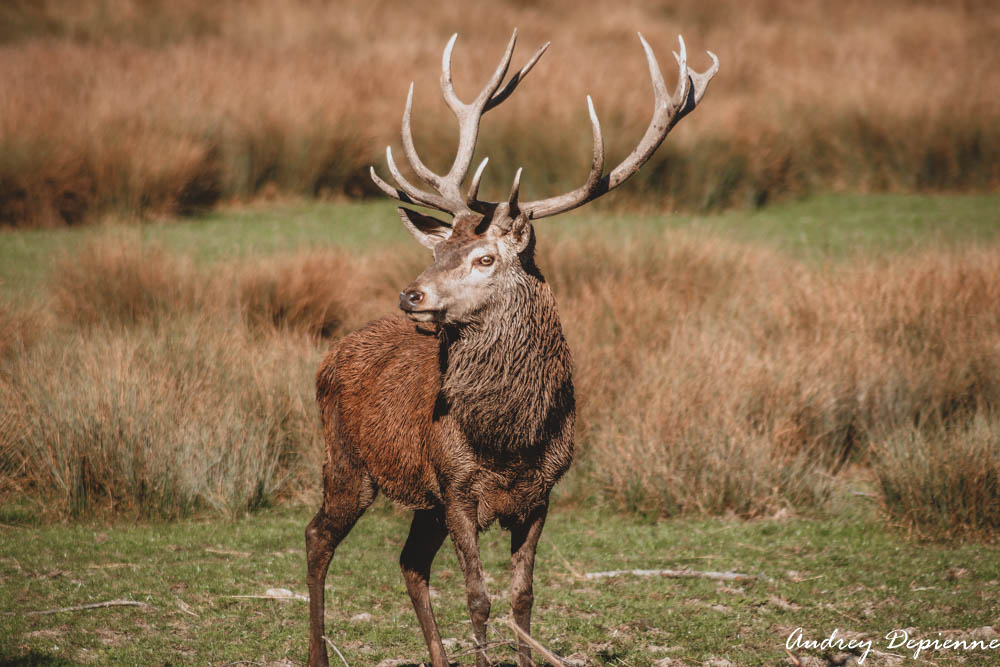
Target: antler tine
x=410 y=150
x=660 y=95
x=701 y=79
x=474 y=186
x=683 y=78
x=593 y=188
x=515 y=189
x=513 y=208
x=597 y=165
x=667 y=111
x=395 y=193
x=498 y=75
x=447 y=87
x=416 y=194
x=388 y=189
x=468 y=115
x=516 y=79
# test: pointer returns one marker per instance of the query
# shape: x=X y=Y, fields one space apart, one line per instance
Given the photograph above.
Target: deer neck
x=504 y=374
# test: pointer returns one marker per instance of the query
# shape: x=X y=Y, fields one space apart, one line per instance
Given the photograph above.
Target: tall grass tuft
x=944 y=482
x=323 y=294
x=157 y=422
x=19 y=328
x=120 y=282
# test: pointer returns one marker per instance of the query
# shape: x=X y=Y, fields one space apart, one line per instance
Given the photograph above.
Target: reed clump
x=120 y=282
x=724 y=378
x=943 y=482
x=156 y=422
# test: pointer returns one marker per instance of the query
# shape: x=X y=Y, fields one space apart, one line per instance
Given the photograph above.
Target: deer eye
x=485 y=260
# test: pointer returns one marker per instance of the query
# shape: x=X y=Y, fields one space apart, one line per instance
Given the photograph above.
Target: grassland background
x=827 y=365
x=147 y=107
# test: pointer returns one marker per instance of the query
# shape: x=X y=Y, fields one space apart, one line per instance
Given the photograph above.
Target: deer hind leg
x=464 y=533
x=523 y=542
x=427 y=533
x=346 y=499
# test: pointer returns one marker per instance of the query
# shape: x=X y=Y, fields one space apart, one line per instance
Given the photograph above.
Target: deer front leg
x=523 y=542
x=464 y=533
x=427 y=532
x=343 y=505
x=323 y=534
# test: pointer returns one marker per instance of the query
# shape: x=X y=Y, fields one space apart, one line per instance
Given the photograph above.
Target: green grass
x=849 y=574
x=818 y=227
x=827 y=226
x=838 y=225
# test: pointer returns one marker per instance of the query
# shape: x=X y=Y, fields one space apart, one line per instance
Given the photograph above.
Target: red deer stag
x=463 y=410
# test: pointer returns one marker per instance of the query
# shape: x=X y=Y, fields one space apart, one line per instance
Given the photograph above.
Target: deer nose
x=409 y=299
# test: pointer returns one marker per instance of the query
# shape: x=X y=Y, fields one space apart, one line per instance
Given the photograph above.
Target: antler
x=667 y=111
x=448 y=197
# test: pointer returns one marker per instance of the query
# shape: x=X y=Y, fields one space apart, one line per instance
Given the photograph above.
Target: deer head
x=487 y=246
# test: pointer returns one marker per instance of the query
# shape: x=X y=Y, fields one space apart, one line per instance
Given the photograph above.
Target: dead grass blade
x=336 y=650
x=88 y=607
x=528 y=639
x=675 y=574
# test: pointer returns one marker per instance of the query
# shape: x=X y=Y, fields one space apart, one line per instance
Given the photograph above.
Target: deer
x=461 y=408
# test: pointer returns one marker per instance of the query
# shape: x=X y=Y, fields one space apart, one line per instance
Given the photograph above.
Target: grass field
x=847 y=574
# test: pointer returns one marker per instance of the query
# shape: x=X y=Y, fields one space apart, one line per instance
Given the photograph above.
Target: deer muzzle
x=418 y=304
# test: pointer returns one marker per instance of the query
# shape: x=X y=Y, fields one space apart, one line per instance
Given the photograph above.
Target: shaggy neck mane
x=507 y=376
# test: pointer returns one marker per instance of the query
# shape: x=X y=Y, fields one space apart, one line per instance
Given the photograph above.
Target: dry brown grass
x=712 y=377
x=717 y=377
x=323 y=294
x=145 y=107
x=19 y=328
x=943 y=482
x=156 y=422
x=120 y=282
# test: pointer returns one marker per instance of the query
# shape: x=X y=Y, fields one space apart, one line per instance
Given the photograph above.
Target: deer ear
x=520 y=232
x=428 y=230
